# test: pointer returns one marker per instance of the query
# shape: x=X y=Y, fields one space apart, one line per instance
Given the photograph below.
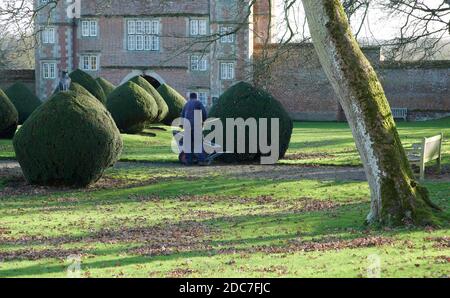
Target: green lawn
x=321 y=143
x=160 y=220
x=336 y=145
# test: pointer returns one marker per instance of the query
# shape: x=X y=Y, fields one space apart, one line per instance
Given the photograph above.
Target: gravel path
x=275 y=172
x=9 y=168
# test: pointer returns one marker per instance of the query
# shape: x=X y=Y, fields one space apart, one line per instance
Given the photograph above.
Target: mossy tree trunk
x=396 y=196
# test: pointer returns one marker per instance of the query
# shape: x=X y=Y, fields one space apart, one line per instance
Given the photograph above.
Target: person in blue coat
x=188 y=114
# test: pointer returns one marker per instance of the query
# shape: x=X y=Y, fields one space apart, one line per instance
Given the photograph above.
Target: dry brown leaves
x=170 y=240
x=442 y=259
x=279 y=270
x=439 y=242
x=181 y=272
x=158 y=240
x=303 y=156
x=321 y=245
x=18 y=186
x=34 y=254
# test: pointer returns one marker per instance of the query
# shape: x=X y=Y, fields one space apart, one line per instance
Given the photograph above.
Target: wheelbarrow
x=182 y=156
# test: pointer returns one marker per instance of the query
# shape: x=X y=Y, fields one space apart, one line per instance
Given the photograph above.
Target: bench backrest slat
x=432 y=148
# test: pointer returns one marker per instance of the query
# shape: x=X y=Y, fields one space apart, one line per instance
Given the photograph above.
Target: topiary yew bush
x=77 y=88
x=89 y=83
x=131 y=107
x=9 y=117
x=70 y=141
x=174 y=100
x=23 y=100
x=106 y=85
x=245 y=101
x=163 y=109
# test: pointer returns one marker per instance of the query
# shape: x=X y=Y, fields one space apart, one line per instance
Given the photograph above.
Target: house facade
x=201 y=46
x=205 y=46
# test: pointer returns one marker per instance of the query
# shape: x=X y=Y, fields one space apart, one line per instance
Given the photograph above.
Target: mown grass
x=336 y=141
x=63 y=222
x=162 y=221
x=331 y=142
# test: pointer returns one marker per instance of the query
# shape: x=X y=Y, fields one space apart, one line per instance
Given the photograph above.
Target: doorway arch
x=154 y=82
x=152 y=77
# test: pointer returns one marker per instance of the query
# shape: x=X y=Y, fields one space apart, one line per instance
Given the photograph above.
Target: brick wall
x=9 y=77
x=296 y=79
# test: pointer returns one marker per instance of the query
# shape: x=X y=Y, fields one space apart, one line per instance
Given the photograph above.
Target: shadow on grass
x=155 y=190
x=284 y=226
x=147 y=134
x=167 y=189
x=336 y=144
x=219 y=247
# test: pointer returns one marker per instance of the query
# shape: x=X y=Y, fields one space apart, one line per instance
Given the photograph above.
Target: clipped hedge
x=89 y=83
x=23 y=99
x=9 y=117
x=106 y=85
x=163 y=109
x=174 y=100
x=245 y=101
x=70 y=140
x=77 y=88
x=131 y=107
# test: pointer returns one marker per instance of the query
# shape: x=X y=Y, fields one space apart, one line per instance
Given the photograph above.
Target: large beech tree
x=397 y=198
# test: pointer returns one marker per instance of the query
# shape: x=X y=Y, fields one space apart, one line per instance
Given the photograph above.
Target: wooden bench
x=429 y=150
x=400 y=113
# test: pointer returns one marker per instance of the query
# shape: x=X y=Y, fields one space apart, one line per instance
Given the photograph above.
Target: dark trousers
x=201 y=157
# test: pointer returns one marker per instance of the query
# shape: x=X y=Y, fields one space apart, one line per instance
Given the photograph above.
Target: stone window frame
x=47 y=73
x=195 y=27
x=147 y=38
x=89 y=28
x=90 y=58
x=45 y=37
x=227 y=39
x=228 y=74
x=203 y=95
x=199 y=62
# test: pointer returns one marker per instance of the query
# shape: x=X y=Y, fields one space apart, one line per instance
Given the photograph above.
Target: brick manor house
x=166 y=41
x=184 y=43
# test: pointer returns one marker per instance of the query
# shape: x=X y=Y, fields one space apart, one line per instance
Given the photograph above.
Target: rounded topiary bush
x=8 y=117
x=77 y=88
x=23 y=99
x=106 y=85
x=245 y=101
x=132 y=107
x=163 y=109
x=70 y=140
x=89 y=83
x=174 y=100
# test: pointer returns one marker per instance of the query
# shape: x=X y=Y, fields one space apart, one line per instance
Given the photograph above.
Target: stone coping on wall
x=303 y=45
x=422 y=64
x=8 y=75
x=430 y=64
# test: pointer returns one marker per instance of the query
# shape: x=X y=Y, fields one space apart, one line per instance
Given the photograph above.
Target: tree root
x=426 y=198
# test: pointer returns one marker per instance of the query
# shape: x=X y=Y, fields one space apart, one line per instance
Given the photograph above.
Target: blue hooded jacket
x=191 y=106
